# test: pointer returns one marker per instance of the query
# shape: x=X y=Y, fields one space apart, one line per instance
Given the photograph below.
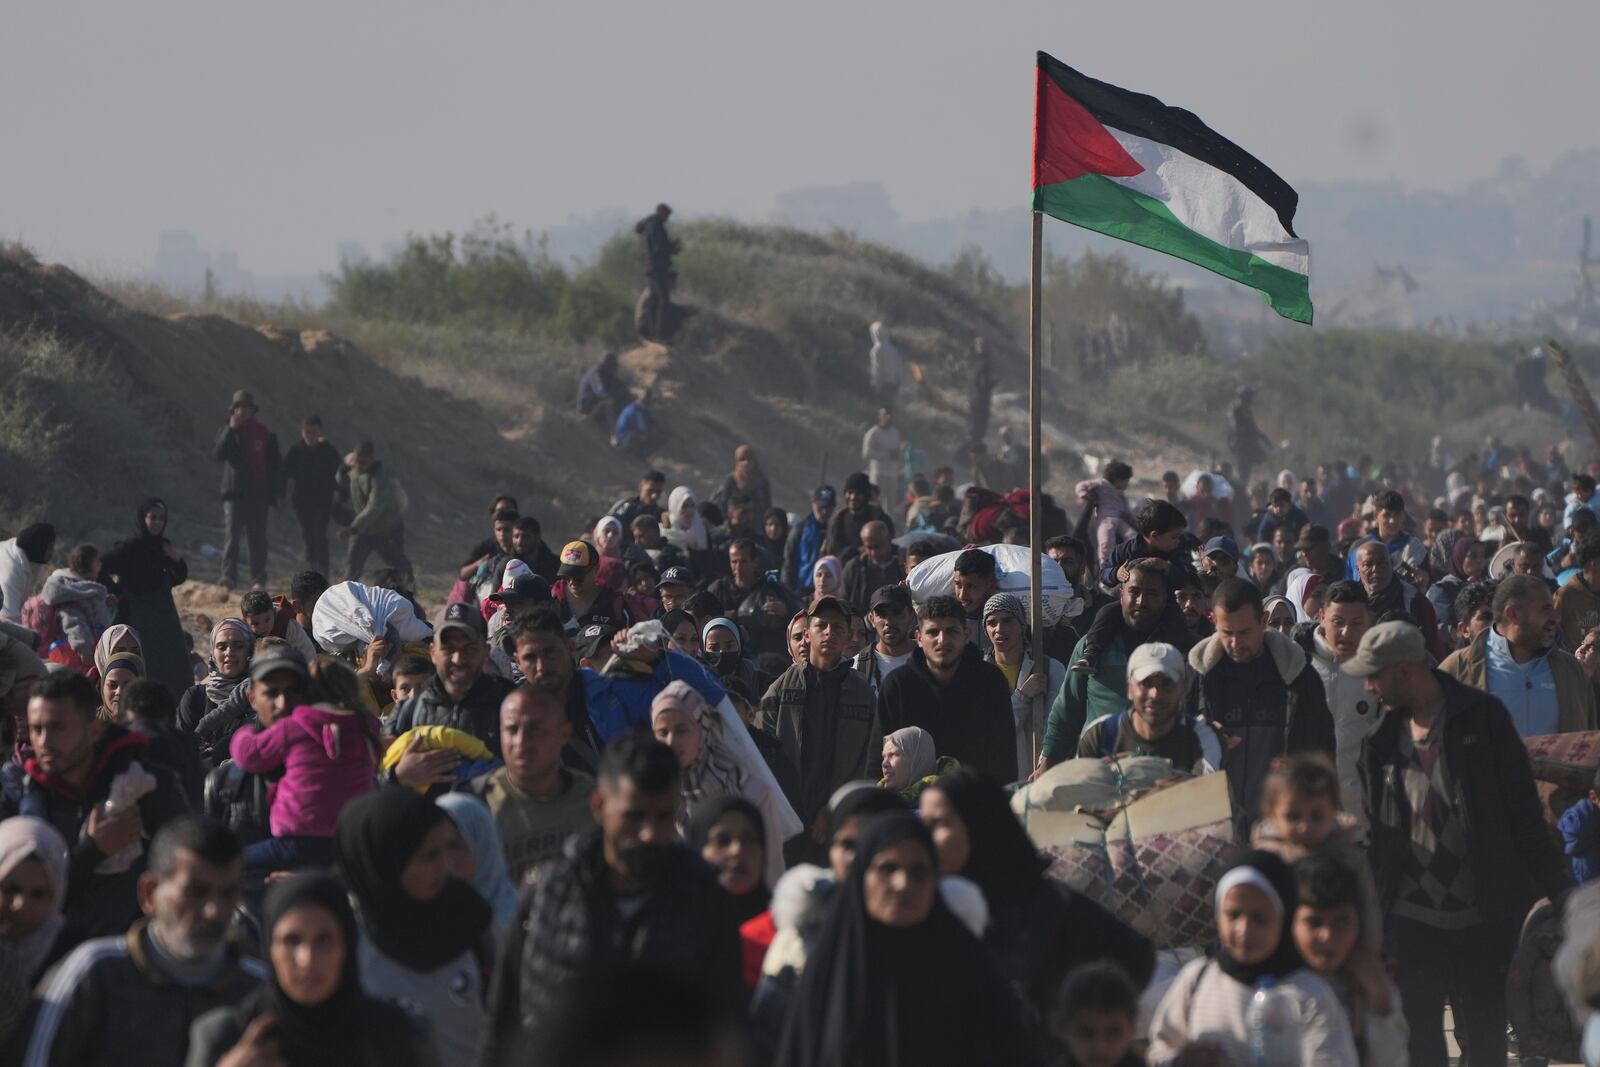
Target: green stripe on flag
x=1098 y=203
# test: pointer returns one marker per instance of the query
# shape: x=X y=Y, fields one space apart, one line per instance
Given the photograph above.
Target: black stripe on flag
x=1145 y=116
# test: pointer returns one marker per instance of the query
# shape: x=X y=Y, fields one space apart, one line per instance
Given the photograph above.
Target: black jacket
x=1514 y=858
x=969 y=718
x=180 y=753
x=1308 y=725
x=238 y=800
x=213 y=725
x=312 y=469
x=230 y=452
x=389 y=1037
x=478 y=713
x=1045 y=930
x=862 y=578
x=844 y=531
x=569 y=919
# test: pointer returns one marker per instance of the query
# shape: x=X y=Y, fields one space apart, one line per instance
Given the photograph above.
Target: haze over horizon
x=279 y=132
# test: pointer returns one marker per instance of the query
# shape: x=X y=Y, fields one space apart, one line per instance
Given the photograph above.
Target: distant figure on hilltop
x=1250 y=445
x=883 y=365
x=251 y=483
x=658 y=247
x=379 y=523
x=980 y=394
x=602 y=393
x=310 y=469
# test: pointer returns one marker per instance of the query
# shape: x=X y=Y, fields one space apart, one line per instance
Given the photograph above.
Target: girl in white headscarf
x=687 y=530
x=827 y=577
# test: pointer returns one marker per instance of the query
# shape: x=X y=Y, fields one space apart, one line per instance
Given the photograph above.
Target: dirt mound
x=101 y=406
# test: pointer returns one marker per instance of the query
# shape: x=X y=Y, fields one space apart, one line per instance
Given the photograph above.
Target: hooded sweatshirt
x=1274 y=705
x=329 y=757
x=969 y=717
x=81 y=608
x=1355 y=715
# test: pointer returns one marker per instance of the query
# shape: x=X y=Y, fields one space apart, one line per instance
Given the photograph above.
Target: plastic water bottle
x=1274 y=1026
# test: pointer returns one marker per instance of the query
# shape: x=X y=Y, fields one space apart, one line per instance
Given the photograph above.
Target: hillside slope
x=102 y=404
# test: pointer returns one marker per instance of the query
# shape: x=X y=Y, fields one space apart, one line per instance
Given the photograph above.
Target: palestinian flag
x=1131 y=167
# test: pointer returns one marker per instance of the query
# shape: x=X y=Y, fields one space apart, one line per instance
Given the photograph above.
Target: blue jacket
x=633 y=421
x=802 y=550
x=1580 y=836
x=619 y=702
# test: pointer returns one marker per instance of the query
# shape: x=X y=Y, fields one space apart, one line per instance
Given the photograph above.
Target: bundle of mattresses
x=1144 y=841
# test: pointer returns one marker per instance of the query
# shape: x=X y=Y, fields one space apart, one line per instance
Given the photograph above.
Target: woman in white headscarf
x=717 y=758
x=687 y=530
x=911 y=763
x=1299 y=588
x=608 y=537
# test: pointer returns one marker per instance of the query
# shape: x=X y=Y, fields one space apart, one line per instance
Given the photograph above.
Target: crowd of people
x=707 y=785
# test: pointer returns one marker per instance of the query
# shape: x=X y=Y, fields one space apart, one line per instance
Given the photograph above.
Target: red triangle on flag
x=1068 y=142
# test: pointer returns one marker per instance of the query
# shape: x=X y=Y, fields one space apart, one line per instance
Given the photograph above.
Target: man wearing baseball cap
x=1221 y=559
x=804 y=546
x=675 y=588
x=1153 y=723
x=825 y=717
x=894 y=619
x=581 y=599
x=461 y=695
x=1460 y=849
x=1316 y=548
x=251 y=482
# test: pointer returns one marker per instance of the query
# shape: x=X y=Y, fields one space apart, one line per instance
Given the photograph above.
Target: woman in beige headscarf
x=717 y=758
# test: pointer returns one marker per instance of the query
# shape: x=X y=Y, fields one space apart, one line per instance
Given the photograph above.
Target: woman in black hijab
x=424 y=933
x=895 y=979
x=311 y=1011
x=141 y=572
x=730 y=835
x=1039 y=929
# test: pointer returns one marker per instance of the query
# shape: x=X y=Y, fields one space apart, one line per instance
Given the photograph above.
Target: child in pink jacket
x=1110 y=521
x=328 y=755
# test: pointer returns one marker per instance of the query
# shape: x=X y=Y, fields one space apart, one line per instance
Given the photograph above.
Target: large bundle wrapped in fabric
x=1137 y=837
x=1014 y=571
x=354 y=614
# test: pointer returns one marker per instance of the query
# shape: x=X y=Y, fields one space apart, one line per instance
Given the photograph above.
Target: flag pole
x=1035 y=508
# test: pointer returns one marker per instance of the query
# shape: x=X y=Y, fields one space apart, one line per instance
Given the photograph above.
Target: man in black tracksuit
x=947 y=689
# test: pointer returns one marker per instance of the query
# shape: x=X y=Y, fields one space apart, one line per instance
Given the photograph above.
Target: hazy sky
x=278 y=129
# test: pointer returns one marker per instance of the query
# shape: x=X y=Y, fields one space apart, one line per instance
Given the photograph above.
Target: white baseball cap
x=1156 y=657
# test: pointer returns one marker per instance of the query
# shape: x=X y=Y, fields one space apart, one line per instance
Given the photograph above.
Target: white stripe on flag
x=1212 y=202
